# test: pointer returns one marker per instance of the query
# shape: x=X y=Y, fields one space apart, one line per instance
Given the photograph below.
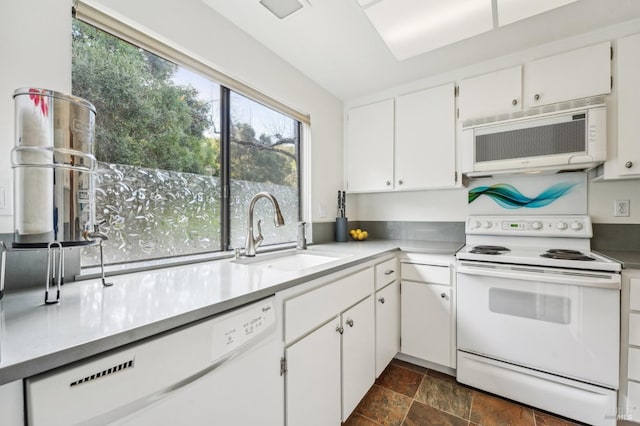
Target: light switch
x=3 y=203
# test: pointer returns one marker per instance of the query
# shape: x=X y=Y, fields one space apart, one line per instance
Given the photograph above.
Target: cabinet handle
x=443 y=295
x=350 y=322
x=400 y=182
x=628 y=164
x=381 y=300
x=388 y=183
x=340 y=329
x=389 y=272
x=536 y=97
x=514 y=102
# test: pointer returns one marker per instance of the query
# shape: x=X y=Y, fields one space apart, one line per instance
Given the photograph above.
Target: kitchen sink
x=290 y=260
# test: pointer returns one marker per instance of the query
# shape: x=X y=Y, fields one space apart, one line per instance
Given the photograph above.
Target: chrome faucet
x=252 y=243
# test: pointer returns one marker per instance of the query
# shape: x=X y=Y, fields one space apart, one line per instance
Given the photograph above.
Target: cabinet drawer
x=634 y=294
x=634 y=329
x=386 y=272
x=426 y=273
x=305 y=312
x=634 y=364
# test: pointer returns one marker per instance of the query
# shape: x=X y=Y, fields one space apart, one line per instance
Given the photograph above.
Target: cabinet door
x=313 y=378
x=387 y=325
x=425 y=139
x=358 y=354
x=368 y=159
x=490 y=94
x=12 y=404
x=426 y=322
x=573 y=75
x=628 y=161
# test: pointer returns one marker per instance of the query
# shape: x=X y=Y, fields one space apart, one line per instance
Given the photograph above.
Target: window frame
x=119 y=28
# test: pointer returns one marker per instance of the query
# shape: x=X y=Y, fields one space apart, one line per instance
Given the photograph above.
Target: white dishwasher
x=221 y=371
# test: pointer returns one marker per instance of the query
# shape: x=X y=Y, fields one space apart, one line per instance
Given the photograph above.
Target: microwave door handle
x=583 y=279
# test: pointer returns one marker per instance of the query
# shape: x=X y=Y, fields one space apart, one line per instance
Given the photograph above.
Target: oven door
x=565 y=322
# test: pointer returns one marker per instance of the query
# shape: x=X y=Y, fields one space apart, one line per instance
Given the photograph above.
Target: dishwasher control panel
x=237 y=330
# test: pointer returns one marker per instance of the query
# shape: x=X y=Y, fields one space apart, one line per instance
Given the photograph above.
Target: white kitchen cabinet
x=332 y=321
x=387 y=303
x=405 y=144
x=358 y=354
x=580 y=73
x=426 y=321
x=629 y=393
x=368 y=161
x=12 y=404
x=491 y=94
x=313 y=378
x=425 y=139
x=625 y=162
x=427 y=312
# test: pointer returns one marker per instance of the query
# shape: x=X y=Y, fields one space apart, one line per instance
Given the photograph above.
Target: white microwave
x=568 y=140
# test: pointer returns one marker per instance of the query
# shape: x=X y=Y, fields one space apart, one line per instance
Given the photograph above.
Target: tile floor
x=409 y=395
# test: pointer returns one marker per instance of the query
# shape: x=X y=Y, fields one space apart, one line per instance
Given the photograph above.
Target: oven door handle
x=578 y=278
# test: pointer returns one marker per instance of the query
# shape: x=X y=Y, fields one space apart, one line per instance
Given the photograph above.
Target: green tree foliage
x=145 y=119
x=262 y=159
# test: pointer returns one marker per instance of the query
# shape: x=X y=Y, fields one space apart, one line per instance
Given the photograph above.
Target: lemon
x=365 y=234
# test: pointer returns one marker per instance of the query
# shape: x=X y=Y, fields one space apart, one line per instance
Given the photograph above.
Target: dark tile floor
x=409 y=395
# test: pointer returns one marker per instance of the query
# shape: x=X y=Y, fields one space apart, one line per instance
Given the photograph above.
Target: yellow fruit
x=365 y=234
x=352 y=232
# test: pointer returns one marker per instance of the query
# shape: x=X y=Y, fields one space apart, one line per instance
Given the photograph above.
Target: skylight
x=412 y=27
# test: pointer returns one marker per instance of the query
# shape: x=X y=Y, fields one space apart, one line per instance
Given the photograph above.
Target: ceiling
x=334 y=43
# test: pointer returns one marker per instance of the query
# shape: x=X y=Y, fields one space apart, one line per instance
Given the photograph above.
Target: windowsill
x=93 y=272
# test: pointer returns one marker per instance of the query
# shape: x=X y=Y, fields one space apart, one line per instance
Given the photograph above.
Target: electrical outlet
x=621 y=208
x=3 y=203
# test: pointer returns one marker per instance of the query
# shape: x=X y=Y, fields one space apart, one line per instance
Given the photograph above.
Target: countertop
x=628 y=259
x=91 y=319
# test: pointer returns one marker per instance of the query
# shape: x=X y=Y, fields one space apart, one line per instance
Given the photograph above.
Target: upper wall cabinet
x=491 y=94
x=628 y=159
x=369 y=147
x=425 y=139
x=576 y=74
x=624 y=157
x=416 y=144
x=572 y=75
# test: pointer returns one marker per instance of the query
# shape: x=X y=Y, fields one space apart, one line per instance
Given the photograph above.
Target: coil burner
x=493 y=250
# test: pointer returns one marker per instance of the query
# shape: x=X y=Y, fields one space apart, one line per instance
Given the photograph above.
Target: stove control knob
x=476 y=224
x=576 y=226
x=488 y=224
x=536 y=225
x=561 y=225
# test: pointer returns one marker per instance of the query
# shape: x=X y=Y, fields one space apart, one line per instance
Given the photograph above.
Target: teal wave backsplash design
x=509 y=197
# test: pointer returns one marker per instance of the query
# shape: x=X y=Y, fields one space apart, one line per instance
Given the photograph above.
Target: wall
x=35 y=50
x=451 y=204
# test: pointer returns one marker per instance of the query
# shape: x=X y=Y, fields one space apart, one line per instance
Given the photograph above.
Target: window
x=168 y=141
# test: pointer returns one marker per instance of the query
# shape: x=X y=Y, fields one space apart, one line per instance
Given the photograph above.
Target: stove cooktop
x=537 y=256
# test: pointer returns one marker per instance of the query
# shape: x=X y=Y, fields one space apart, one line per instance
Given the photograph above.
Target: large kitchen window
x=179 y=155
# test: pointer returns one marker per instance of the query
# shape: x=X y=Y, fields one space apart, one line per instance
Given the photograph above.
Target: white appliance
x=538 y=315
x=223 y=371
x=569 y=139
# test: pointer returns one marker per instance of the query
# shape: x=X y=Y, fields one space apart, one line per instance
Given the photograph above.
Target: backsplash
x=323 y=232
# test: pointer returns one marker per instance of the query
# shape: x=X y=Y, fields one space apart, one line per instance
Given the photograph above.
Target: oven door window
x=530 y=305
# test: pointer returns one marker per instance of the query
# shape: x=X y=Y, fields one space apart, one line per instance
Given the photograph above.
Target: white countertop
x=91 y=319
